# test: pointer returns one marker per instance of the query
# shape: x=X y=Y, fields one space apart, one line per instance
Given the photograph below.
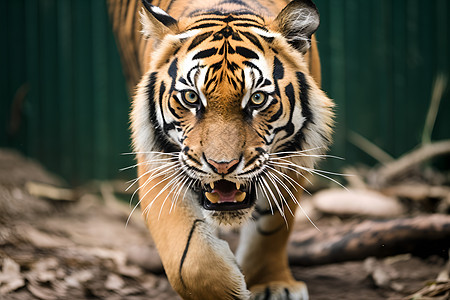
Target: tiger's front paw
x=280 y=291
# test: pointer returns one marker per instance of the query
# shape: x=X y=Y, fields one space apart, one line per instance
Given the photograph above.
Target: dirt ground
x=74 y=244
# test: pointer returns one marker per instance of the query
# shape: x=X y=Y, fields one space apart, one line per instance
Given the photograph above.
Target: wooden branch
x=412 y=159
x=48 y=191
x=422 y=235
x=417 y=191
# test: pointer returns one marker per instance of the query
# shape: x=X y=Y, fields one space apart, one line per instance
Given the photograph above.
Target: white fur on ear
x=146 y=24
x=156 y=23
x=297 y=22
x=302 y=22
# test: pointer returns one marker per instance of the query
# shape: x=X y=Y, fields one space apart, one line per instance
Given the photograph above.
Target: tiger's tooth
x=238 y=185
x=240 y=197
x=212 y=197
x=212 y=185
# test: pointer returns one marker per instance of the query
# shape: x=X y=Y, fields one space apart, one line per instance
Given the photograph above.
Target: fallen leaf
x=10 y=277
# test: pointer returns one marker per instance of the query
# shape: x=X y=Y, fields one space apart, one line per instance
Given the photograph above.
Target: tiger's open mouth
x=224 y=195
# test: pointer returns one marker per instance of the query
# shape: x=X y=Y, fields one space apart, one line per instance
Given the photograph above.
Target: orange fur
x=186 y=147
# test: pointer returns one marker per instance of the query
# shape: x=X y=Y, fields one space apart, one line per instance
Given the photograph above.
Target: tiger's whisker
x=288 y=179
x=167 y=168
x=177 y=195
x=146 y=210
x=148 y=163
x=316 y=172
x=171 y=183
x=148 y=180
x=288 y=167
x=290 y=163
x=294 y=152
x=280 y=193
x=258 y=181
x=326 y=177
x=152 y=152
x=273 y=197
x=296 y=201
x=309 y=155
x=171 y=178
x=179 y=187
x=143 y=197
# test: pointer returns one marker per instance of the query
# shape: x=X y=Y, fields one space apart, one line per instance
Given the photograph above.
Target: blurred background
x=64 y=100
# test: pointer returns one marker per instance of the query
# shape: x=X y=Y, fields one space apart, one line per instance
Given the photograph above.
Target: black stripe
x=247 y=53
x=173 y=69
x=252 y=38
x=271 y=232
x=296 y=142
x=182 y=80
x=186 y=248
x=252 y=160
x=199 y=39
x=246 y=25
x=253 y=66
x=174 y=113
x=258 y=82
x=208 y=74
x=278 y=69
x=289 y=127
x=278 y=73
x=162 y=89
x=163 y=18
x=267 y=82
x=166 y=20
x=304 y=97
x=288 y=294
x=289 y=92
x=259 y=212
x=206 y=25
x=233 y=82
x=210 y=82
x=205 y=53
x=189 y=76
x=269 y=40
x=192 y=168
x=161 y=141
x=267 y=293
x=167 y=126
x=222 y=49
x=227 y=18
x=193 y=159
x=270 y=106
x=236 y=36
x=151 y=96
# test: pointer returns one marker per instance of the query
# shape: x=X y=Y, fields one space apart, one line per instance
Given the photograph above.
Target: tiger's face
x=229 y=100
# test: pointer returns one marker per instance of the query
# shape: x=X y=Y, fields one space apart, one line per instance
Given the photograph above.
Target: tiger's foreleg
x=262 y=252
x=197 y=263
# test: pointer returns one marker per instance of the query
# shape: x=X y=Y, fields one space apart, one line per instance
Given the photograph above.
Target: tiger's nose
x=223 y=167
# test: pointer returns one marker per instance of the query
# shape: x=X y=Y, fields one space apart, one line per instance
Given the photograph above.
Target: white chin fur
x=235 y=218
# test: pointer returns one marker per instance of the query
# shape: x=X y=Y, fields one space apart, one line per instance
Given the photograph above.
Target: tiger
x=228 y=121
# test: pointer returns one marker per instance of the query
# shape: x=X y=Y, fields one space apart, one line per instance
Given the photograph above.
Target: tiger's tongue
x=226 y=191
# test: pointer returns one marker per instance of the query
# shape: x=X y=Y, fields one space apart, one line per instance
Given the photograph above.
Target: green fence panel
x=380 y=59
x=74 y=113
x=64 y=100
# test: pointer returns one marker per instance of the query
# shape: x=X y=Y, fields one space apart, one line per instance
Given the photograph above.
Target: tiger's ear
x=156 y=23
x=297 y=22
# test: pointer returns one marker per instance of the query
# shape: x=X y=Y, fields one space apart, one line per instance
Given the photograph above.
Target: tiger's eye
x=258 y=98
x=190 y=97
